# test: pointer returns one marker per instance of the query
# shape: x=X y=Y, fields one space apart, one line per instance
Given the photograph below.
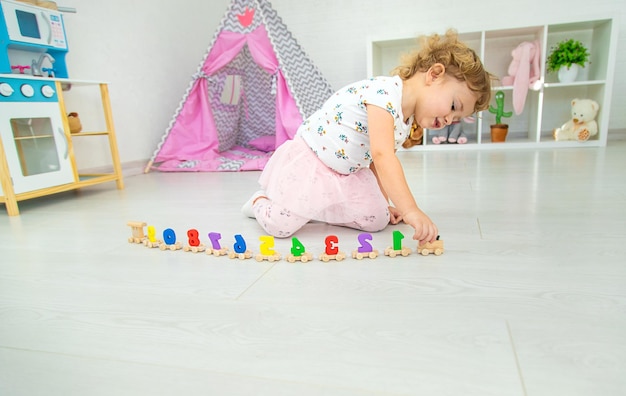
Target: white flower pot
x=568 y=74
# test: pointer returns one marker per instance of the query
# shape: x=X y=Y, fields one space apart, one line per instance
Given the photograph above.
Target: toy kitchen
x=36 y=142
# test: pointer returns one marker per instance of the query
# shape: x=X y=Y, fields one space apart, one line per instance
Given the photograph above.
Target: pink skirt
x=296 y=179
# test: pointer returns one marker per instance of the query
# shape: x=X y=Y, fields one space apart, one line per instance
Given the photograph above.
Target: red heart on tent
x=246 y=18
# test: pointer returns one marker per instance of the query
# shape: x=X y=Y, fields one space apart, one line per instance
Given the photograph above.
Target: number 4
x=297 y=248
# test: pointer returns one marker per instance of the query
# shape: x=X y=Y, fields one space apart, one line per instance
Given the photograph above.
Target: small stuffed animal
x=415 y=136
x=582 y=125
x=523 y=72
x=452 y=133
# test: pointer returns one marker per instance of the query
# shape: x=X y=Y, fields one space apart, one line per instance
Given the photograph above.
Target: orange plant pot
x=499 y=132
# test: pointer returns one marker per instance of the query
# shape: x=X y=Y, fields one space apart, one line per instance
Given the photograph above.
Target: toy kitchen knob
x=47 y=91
x=5 y=89
x=27 y=90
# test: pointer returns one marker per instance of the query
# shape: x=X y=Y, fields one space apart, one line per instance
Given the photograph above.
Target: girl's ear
x=435 y=72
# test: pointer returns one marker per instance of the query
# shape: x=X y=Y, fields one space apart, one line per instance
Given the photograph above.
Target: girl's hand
x=425 y=229
x=394 y=215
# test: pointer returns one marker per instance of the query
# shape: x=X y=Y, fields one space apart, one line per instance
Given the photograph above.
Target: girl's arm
x=391 y=175
x=395 y=215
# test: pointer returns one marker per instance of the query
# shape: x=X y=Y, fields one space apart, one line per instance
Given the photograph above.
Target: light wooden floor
x=528 y=299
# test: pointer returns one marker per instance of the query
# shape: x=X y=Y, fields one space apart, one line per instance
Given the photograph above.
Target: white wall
x=148 y=50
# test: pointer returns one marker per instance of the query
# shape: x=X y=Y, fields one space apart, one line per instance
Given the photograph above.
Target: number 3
x=331 y=242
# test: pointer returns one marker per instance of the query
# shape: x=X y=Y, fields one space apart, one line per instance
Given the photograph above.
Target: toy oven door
x=35 y=145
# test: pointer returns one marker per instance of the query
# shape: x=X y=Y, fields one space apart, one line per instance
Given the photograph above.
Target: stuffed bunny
x=523 y=72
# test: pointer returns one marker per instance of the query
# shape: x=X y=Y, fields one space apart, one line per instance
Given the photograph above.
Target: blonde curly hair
x=459 y=60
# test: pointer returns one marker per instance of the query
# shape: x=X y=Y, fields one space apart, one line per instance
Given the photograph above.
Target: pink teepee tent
x=251 y=92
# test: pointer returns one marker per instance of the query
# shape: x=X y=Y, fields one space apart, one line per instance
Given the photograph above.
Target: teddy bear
x=582 y=125
x=452 y=133
x=415 y=136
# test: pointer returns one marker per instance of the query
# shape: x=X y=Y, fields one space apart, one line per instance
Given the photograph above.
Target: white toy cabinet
x=548 y=103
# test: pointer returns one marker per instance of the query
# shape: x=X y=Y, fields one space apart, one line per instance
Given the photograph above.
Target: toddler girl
x=341 y=167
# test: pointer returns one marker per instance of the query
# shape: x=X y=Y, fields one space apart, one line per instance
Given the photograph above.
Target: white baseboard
x=130 y=168
x=616 y=134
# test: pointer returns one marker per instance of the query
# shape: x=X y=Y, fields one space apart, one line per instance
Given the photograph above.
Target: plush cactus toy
x=499 y=109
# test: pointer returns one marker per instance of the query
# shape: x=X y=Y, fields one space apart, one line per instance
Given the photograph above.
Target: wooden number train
x=266 y=249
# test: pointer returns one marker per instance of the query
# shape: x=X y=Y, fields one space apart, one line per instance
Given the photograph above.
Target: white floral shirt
x=338 y=132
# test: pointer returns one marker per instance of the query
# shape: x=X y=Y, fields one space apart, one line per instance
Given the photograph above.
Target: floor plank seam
x=255 y=281
x=480 y=230
x=517 y=364
x=196 y=369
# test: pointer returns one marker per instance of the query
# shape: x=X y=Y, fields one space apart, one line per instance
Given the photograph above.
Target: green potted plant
x=499 y=130
x=566 y=58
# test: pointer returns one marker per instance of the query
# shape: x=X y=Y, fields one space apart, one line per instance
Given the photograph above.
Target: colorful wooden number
x=397 y=248
x=298 y=251
x=215 y=237
x=297 y=248
x=397 y=240
x=365 y=246
x=152 y=234
x=192 y=236
x=240 y=244
x=365 y=249
x=331 y=242
x=169 y=236
x=332 y=249
x=267 y=245
x=169 y=239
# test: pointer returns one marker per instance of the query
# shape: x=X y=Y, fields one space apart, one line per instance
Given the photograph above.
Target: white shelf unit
x=548 y=105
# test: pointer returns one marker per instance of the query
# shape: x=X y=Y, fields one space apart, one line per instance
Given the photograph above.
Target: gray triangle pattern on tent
x=309 y=86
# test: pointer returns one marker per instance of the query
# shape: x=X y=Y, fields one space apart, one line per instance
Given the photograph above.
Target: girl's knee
x=369 y=223
x=279 y=233
x=277 y=221
x=374 y=225
x=276 y=230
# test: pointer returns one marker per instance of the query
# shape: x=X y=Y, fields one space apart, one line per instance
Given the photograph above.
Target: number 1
x=397 y=240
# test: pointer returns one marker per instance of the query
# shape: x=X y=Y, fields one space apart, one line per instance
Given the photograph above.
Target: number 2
x=365 y=246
